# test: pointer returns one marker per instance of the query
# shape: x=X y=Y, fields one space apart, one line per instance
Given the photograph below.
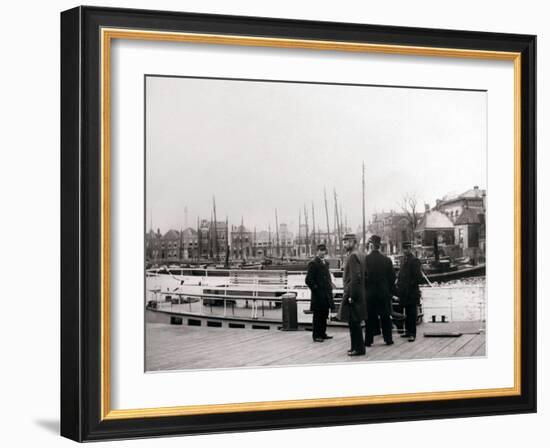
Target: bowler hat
x=350 y=236
x=406 y=245
x=321 y=246
x=375 y=239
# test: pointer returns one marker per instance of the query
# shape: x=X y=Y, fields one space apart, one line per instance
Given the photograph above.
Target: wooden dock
x=182 y=347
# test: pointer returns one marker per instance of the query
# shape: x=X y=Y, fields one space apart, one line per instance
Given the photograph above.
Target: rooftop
x=171 y=235
x=434 y=220
x=473 y=193
x=468 y=216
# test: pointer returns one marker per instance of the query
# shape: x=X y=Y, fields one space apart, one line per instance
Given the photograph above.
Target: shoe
x=349 y=351
x=389 y=342
x=368 y=344
x=400 y=330
x=318 y=340
x=326 y=336
x=411 y=338
x=356 y=353
x=405 y=335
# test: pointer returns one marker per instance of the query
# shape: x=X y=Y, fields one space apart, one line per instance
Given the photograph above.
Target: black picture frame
x=81 y=224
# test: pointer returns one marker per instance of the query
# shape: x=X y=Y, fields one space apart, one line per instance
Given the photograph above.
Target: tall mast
x=254 y=244
x=199 y=238
x=313 y=219
x=328 y=225
x=226 y=242
x=269 y=239
x=216 y=248
x=363 y=207
x=307 y=232
x=210 y=242
x=180 y=254
x=277 y=233
x=335 y=224
x=299 y=233
x=338 y=226
x=342 y=220
x=241 y=230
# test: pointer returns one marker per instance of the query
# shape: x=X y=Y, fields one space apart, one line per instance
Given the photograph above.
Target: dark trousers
x=356 y=335
x=320 y=323
x=398 y=317
x=371 y=325
x=411 y=312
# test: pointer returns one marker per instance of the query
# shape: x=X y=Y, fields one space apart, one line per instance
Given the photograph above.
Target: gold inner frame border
x=107 y=35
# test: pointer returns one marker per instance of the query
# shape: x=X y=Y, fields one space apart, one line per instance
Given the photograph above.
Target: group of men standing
x=369 y=286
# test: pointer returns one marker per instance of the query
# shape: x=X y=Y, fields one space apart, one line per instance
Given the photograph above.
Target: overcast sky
x=258 y=146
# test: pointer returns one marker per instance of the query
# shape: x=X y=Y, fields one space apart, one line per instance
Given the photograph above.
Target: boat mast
x=210 y=242
x=299 y=254
x=226 y=242
x=342 y=231
x=277 y=233
x=241 y=230
x=254 y=244
x=314 y=243
x=329 y=245
x=363 y=207
x=180 y=255
x=216 y=248
x=270 y=251
x=199 y=239
x=308 y=252
x=339 y=229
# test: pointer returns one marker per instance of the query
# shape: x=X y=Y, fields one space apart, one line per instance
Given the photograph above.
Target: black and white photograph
x=302 y=223
x=275 y=224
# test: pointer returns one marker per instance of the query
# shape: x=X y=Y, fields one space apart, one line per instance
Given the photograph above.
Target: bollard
x=290 y=312
x=443 y=318
x=433 y=318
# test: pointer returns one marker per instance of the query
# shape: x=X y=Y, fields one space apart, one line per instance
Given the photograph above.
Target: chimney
x=476 y=187
x=426 y=207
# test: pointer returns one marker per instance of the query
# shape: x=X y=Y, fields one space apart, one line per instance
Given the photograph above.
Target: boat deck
x=181 y=347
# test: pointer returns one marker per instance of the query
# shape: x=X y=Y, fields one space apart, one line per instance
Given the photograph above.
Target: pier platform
x=183 y=347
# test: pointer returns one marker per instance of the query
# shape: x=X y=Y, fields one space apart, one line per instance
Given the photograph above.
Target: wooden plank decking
x=181 y=347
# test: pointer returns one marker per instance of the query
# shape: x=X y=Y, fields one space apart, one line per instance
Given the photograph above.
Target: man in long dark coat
x=408 y=291
x=319 y=281
x=380 y=284
x=354 y=308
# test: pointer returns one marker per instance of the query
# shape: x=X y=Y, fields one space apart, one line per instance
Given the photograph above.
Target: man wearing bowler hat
x=408 y=291
x=319 y=281
x=379 y=287
x=353 y=308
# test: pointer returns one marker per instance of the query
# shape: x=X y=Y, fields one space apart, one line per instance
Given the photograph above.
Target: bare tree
x=409 y=205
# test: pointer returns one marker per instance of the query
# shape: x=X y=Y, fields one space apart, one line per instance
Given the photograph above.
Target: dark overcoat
x=380 y=282
x=320 y=283
x=354 y=288
x=408 y=279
